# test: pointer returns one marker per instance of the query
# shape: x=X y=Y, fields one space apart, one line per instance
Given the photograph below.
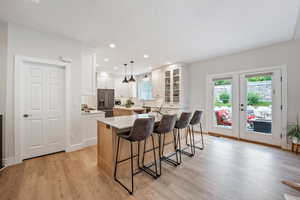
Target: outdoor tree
x=224 y=97
x=253 y=98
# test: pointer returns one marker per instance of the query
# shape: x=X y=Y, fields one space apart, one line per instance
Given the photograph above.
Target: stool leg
x=192 y=145
x=201 y=132
x=159 y=152
x=138 y=155
x=163 y=146
x=143 y=161
x=116 y=167
x=179 y=145
x=116 y=162
x=193 y=134
x=154 y=154
x=175 y=146
x=131 y=155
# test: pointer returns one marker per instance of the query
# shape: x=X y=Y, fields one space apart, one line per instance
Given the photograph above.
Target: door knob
x=26 y=115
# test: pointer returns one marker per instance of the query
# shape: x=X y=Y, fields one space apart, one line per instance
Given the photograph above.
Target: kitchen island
x=123 y=111
x=108 y=128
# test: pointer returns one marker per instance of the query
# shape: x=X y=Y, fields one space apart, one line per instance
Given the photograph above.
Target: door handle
x=26 y=115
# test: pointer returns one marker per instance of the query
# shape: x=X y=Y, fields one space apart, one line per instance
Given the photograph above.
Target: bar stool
x=141 y=130
x=165 y=126
x=183 y=123
x=196 y=119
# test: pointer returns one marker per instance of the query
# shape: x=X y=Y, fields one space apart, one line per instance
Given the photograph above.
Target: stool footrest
x=186 y=153
x=169 y=161
x=200 y=148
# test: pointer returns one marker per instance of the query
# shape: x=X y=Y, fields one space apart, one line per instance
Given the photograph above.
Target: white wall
x=27 y=42
x=286 y=53
x=3 y=55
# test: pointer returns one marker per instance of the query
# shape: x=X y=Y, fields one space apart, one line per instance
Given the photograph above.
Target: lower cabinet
x=89 y=129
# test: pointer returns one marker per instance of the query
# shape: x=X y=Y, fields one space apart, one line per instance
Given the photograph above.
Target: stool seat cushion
x=184 y=120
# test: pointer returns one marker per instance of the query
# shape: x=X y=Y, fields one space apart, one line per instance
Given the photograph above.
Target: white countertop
x=131 y=108
x=166 y=106
x=125 y=122
x=93 y=112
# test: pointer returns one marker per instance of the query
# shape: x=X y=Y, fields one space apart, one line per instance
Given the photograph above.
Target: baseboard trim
x=89 y=142
x=10 y=161
x=74 y=147
x=243 y=140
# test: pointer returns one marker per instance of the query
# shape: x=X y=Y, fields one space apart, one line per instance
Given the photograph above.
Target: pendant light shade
x=131 y=77
x=125 y=78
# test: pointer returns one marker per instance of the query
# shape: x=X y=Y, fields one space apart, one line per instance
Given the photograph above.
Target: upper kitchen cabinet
x=88 y=72
x=157 y=83
x=175 y=84
x=105 y=80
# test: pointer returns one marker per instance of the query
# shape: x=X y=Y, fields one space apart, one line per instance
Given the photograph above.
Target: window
x=145 y=88
x=222 y=92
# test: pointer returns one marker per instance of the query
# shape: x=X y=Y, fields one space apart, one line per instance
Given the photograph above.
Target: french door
x=247 y=106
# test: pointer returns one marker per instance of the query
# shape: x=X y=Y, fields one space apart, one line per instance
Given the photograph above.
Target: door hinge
x=281 y=78
x=281 y=107
x=281 y=136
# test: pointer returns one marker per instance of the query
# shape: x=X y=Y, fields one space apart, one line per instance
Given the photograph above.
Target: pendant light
x=125 y=79
x=131 y=77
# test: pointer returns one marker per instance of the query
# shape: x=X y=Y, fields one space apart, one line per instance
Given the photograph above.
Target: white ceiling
x=166 y=30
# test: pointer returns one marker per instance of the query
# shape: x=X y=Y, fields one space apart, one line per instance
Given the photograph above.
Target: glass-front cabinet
x=172 y=86
x=176 y=86
x=168 y=86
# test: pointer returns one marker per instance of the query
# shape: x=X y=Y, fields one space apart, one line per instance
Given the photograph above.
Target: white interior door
x=260 y=107
x=42 y=106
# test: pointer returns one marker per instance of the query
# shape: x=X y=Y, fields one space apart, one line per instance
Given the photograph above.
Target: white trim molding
x=19 y=60
x=284 y=95
x=74 y=147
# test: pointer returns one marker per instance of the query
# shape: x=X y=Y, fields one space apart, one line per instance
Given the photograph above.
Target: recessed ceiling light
x=32 y=1
x=116 y=68
x=106 y=59
x=97 y=65
x=112 y=45
x=168 y=63
x=103 y=74
x=146 y=56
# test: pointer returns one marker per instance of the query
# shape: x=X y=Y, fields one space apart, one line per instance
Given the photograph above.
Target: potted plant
x=129 y=103
x=294 y=133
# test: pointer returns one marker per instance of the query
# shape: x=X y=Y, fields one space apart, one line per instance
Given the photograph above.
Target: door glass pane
x=259 y=104
x=222 y=103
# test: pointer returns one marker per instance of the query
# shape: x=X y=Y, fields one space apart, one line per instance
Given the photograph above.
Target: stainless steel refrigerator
x=106 y=99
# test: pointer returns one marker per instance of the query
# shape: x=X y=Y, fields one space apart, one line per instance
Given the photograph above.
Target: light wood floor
x=226 y=169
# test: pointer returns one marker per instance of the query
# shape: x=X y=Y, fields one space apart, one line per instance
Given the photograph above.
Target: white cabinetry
x=175 y=79
x=105 y=81
x=88 y=73
x=158 y=83
x=89 y=128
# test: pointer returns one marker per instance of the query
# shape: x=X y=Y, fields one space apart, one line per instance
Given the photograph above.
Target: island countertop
x=130 y=108
x=125 y=122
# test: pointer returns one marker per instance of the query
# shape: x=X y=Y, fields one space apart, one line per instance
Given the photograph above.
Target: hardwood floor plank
x=225 y=170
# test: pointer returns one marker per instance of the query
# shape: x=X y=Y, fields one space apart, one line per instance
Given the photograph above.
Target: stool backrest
x=142 y=129
x=166 y=124
x=196 y=117
x=184 y=120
